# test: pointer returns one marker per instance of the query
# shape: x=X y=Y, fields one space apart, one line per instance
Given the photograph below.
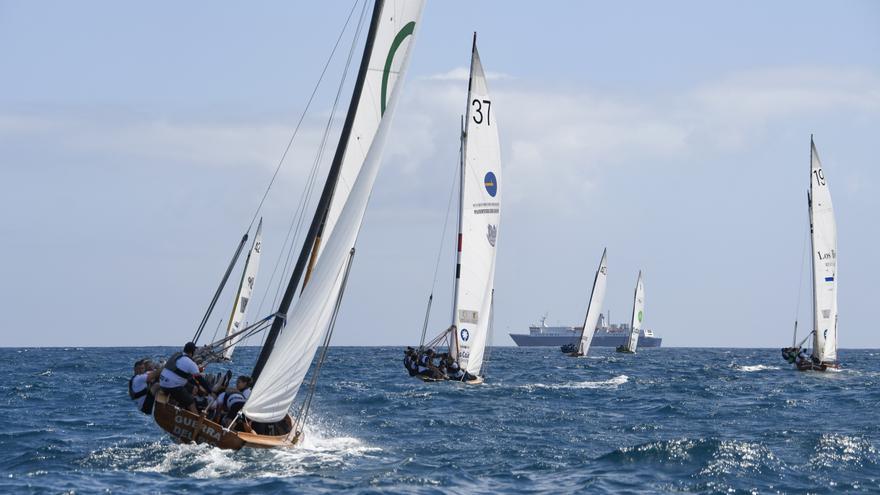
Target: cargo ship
x=605 y=335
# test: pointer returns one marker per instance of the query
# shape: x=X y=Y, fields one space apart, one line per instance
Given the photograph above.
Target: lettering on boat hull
x=184 y=427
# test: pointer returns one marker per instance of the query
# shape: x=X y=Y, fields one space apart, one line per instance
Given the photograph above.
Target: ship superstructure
x=605 y=335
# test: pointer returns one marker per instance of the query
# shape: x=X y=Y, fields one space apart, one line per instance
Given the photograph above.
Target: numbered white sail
x=824 y=243
x=478 y=223
x=594 y=308
x=308 y=322
x=238 y=317
x=638 y=315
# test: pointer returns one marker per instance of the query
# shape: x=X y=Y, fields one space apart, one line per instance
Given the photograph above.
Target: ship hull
x=525 y=340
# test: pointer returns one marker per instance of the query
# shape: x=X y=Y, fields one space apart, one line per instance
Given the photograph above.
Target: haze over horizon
x=137 y=142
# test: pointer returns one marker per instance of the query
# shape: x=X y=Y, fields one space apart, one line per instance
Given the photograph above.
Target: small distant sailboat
x=823 y=240
x=478 y=220
x=594 y=310
x=296 y=334
x=638 y=317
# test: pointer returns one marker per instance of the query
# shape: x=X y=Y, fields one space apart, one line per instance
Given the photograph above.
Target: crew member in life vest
x=140 y=386
x=180 y=375
x=235 y=400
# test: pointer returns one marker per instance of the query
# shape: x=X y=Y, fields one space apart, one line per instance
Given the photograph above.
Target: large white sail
x=308 y=322
x=638 y=315
x=478 y=222
x=594 y=308
x=824 y=241
x=374 y=100
x=238 y=317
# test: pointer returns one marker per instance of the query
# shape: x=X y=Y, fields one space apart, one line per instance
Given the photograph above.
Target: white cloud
x=463 y=74
x=579 y=133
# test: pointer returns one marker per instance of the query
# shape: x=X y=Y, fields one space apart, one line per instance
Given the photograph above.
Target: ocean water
x=664 y=420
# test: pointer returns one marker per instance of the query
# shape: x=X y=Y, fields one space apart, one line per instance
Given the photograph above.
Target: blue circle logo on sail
x=465 y=335
x=491 y=184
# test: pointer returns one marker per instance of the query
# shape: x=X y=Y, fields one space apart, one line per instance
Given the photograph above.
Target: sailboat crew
x=139 y=385
x=410 y=356
x=180 y=375
x=235 y=400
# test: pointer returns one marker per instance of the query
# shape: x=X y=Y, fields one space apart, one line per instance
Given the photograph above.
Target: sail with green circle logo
x=387 y=51
x=638 y=315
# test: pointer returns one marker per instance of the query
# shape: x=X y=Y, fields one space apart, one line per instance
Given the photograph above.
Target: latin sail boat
x=638 y=316
x=238 y=317
x=295 y=335
x=594 y=310
x=478 y=220
x=823 y=241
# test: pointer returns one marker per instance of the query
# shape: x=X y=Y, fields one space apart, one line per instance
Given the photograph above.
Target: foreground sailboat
x=478 y=219
x=638 y=317
x=295 y=335
x=823 y=241
x=594 y=310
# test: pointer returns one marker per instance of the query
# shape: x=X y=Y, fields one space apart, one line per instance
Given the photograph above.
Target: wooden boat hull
x=187 y=427
x=476 y=381
x=809 y=366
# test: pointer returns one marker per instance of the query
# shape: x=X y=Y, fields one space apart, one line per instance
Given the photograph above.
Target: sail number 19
x=820 y=177
x=478 y=116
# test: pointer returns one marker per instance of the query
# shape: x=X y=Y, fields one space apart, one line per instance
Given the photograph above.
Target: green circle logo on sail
x=640 y=316
x=407 y=30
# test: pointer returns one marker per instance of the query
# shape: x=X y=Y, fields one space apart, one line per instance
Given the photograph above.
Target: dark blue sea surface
x=663 y=420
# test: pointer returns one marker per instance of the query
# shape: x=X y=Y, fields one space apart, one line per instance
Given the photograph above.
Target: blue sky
x=137 y=139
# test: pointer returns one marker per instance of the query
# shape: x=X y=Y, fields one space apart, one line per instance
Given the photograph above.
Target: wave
x=756 y=367
x=708 y=457
x=833 y=450
x=318 y=450
x=609 y=383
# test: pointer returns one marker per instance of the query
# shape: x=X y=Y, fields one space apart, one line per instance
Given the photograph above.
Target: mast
x=462 y=140
x=813 y=257
x=462 y=161
x=318 y=220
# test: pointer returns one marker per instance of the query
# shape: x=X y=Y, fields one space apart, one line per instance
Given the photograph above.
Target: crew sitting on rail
x=235 y=400
x=216 y=408
x=802 y=357
x=410 y=358
x=179 y=377
x=139 y=385
x=426 y=365
x=453 y=370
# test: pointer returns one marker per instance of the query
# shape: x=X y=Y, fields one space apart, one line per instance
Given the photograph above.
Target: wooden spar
x=312 y=259
x=210 y=309
x=317 y=224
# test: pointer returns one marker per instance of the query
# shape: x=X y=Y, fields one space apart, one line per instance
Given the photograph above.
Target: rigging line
x=219 y=290
x=214 y=338
x=324 y=138
x=323 y=145
x=491 y=335
x=296 y=218
x=439 y=254
x=800 y=283
x=303 y=115
x=304 y=411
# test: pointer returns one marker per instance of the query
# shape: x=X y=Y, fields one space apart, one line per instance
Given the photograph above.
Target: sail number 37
x=478 y=116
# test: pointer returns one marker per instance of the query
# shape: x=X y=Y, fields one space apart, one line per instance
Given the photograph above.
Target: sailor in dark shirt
x=179 y=374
